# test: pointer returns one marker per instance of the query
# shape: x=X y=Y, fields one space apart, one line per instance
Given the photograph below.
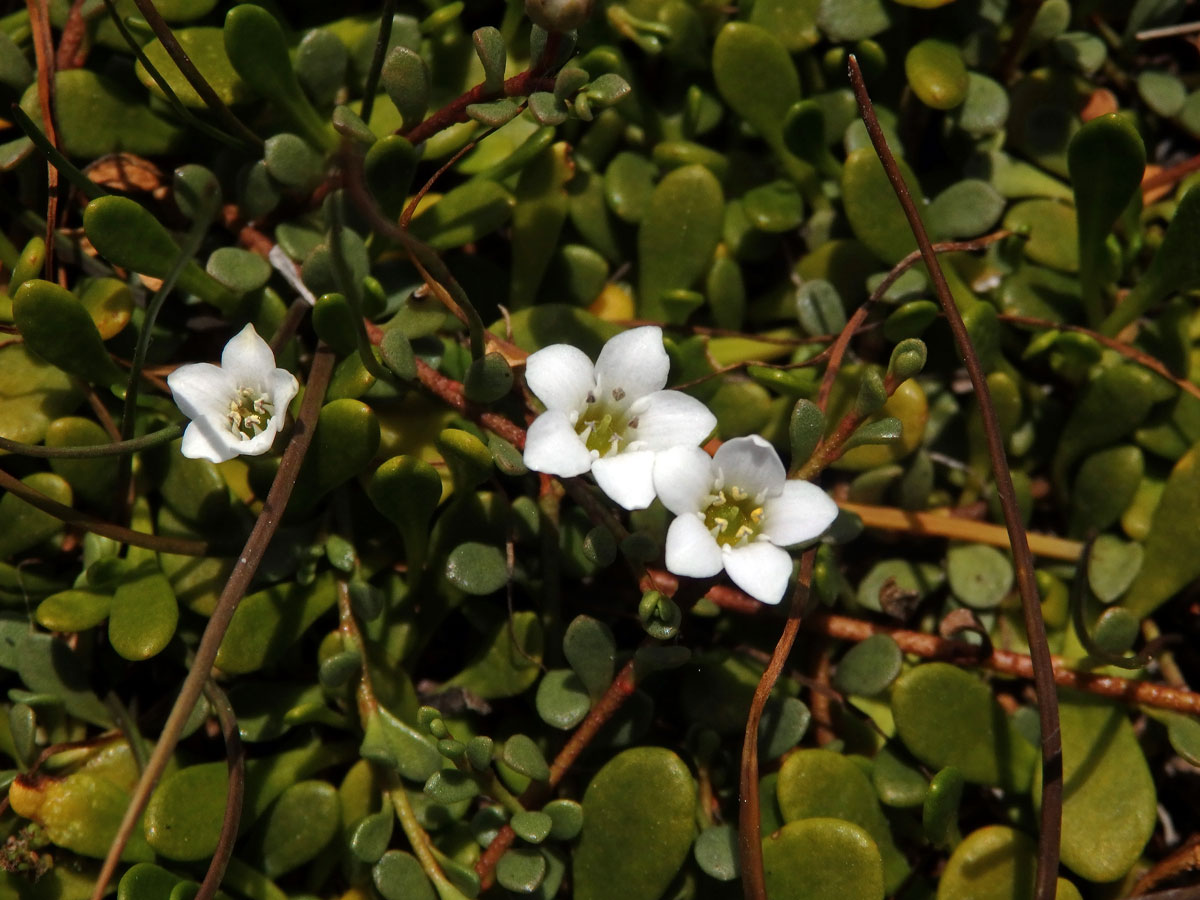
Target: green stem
x=381 y=43
x=419 y=841
x=94 y=451
x=82 y=183
x=184 y=113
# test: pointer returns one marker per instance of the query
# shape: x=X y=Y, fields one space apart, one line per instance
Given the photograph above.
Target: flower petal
x=751 y=464
x=683 y=478
x=283 y=387
x=202 y=441
x=691 y=550
x=671 y=419
x=634 y=361
x=560 y=376
x=248 y=359
x=802 y=512
x=760 y=569
x=202 y=390
x=627 y=478
x=552 y=446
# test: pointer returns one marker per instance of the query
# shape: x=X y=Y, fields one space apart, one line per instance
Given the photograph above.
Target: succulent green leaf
x=815 y=784
x=869 y=667
x=637 y=826
x=822 y=859
x=744 y=58
x=948 y=717
x=677 y=236
x=257 y=50
x=1109 y=801
x=1106 y=159
x=128 y=235
x=57 y=327
x=936 y=73
x=509 y=661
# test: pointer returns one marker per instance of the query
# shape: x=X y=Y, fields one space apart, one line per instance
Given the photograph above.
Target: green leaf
x=1050 y=231
x=1113 y=566
x=345 y=440
x=509 y=661
x=143 y=616
x=205 y=47
x=57 y=328
x=980 y=576
x=590 y=649
x=637 y=826
x=1106 y=159
x=297 y=828
x=815 y=784
x=871 y=206
x=948 y=717
x=562 y=701
x=398 y=876
x=716 y=852
x=936 y=73
x=822 y=859
x=677 y=236
x=464 y=214
x=746 y=57
x=1109 y=801
x=257 y=49
x=267 y=622
x=23 y=526
x=1175 y=267
x=869 y=667
x=126 y=234
x=95 y=115
x=406 y=78
x=477 y=568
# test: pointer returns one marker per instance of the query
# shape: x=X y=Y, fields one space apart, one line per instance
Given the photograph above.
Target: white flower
x=736 y=511
x=610 y=418
x=237 y=407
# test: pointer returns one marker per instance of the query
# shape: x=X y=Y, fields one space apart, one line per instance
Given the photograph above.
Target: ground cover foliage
x=384 y=659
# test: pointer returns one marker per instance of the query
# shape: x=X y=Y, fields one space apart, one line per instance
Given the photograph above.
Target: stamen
x=722 y=524
x=249 y=413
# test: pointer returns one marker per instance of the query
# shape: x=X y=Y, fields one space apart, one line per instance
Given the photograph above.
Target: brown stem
x=72 y=45
x=929 y=646
x=235 y=752
x=1052 y=791
x=754 y=885
x=518 y=86
x=43 y=50
x=1016 y=42
x=621 y=688
x=179 y=56
x=1129 y=352
x=451 y=392
x=1170 y=175
x=96 y=525
x=830 y=448
x=227 y=603
x=1185 y=858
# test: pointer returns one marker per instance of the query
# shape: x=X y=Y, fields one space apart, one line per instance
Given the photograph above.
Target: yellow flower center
x=733 y=517
x=605 y=426
x=249 y=413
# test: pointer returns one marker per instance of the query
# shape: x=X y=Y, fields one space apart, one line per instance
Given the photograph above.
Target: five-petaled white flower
x=237 y=407
x=736 y=511
x=612 y=417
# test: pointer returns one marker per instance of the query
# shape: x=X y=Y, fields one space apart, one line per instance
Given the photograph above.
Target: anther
x=618 y=394
x=633 y=423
